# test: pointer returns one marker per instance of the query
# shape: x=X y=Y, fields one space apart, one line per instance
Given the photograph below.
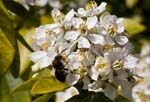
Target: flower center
x=101 y=65
x=107 y=47
x=117 y=65
x=112 y=30
x=91 y=5
x=57 y=16
x=83 y=28
x=81 y=56
x=82 y=70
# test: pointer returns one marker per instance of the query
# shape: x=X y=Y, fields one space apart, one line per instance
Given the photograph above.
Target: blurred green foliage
x=16 y=22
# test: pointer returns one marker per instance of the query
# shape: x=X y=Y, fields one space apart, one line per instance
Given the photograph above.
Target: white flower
x=44 y=59
x=91 y=22
x=110 y=91
x=96 y=38
x=97 y=51
x=83 y=42
x=72 y=79
x=65 y=95
x=101 y=67
x=91 y=9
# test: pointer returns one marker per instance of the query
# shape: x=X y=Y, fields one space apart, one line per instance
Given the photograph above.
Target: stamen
x=117 y=65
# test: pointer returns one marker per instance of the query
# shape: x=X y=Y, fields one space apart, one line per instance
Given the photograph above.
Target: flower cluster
x=141 y=91
x=88 y=45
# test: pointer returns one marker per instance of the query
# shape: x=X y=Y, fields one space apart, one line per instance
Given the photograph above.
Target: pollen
x=45 y=46
x=107 y=47
x=91 y=5
x=81 y=56
x=82 y=70
x=101 y=65
x=83 y=28
x=112 y=30
x=117 y=65
x=50 y=32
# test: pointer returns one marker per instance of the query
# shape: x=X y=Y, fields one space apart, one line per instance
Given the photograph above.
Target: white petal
x=83 y=43
x=127 y=49
x=94 y=73
x=36 y=56
x=120 y=28
x=86 y=82
x=109 y=41
x=96 y=86
x=81 y=12
x=72 y=79
x=77 y=22
x=130 y=62
x=121 y=40
x=101 y=7
x=69 y=15
x=110 y=91
x=126 y=89
x=35 y=67
x=71 y=35
x=96 y=39
x=44 y=62
x=91 y=22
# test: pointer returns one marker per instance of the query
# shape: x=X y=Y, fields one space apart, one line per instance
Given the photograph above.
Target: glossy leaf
x=27 y=85
x=4 y=92
x=82 y=97
x=22 y=40
x=10 y=33
x=48 y=85
x=133 y=27
x=89 y=97
x=6 y=53
x=44 y=98
x=120 y=98
x=16 y=8
x=22 y=96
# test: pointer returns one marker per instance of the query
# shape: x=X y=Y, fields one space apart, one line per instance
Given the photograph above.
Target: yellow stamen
x=117 y=65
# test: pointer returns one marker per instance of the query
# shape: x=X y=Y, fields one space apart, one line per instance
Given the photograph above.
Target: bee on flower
x=96 y=48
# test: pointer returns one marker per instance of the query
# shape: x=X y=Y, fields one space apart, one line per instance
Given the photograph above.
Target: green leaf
x=44 y=98
x=82 y=97
x=6 y=53
x=4 y=93
x=21 y=39
x=120 y=98
x=27 y=85
x=86 y=96
x=100 y=97
x=22 y=96
x=133 y=27
x=16 y=8
x=7 y=27
x=48 y=85
x=3 y=7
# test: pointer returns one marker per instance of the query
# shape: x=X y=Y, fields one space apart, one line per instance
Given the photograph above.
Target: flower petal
x=71 y=35
x=130 y=62
x=110 y=91
x=83 y=43
x=94 y=73
x=69 y=15
x=96 y=39
x=121 y=40
x=72 y=79
x=101 y=8
x=91 y=22
x=36 y=56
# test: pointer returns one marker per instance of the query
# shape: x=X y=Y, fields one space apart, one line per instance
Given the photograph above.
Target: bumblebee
x=59 y=66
